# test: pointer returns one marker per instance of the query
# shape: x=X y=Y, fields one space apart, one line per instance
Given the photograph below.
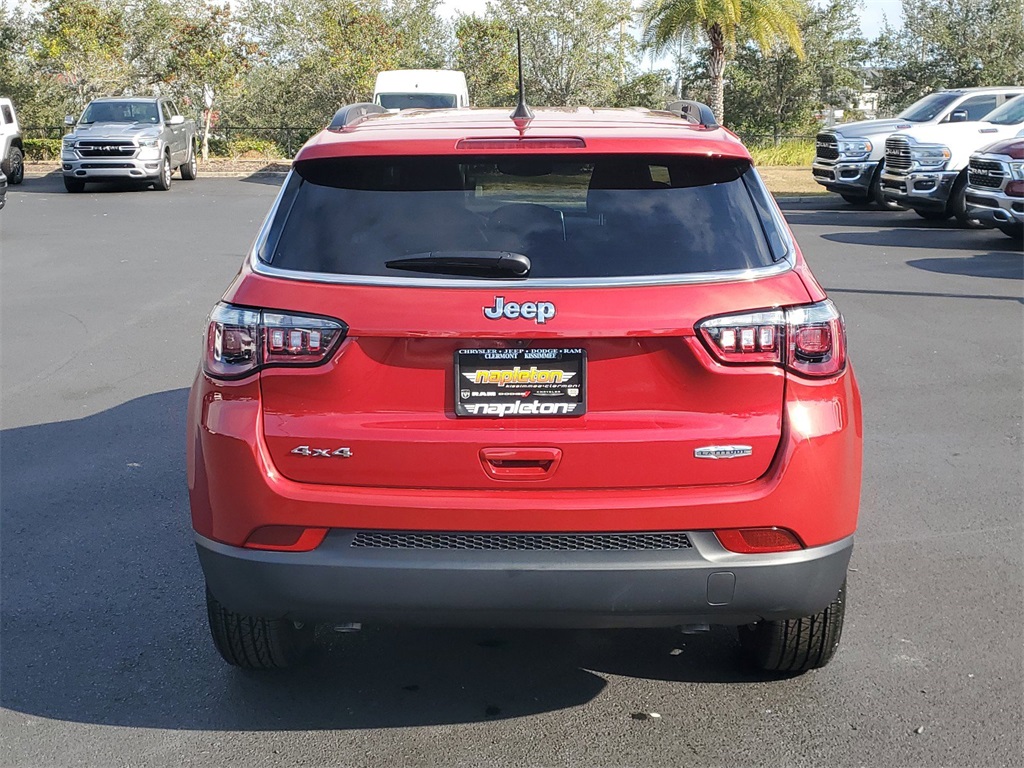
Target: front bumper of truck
x=922 y=190
x=845 y=178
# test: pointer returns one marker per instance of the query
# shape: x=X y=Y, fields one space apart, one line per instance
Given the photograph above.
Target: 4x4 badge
x=538 y=311
x=326 y=453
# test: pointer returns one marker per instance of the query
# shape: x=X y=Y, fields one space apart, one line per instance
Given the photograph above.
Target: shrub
x=247 y=146
x=42 y=149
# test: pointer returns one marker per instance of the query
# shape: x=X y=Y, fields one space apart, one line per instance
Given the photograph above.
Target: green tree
x=650 y=89
x=574 y=51
x=485 y=49
x=718 y=23
x=776 y=92
x=81 y=44
x=950 y=43
x=426 y=40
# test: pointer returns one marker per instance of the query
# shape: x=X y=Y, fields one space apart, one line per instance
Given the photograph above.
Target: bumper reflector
x=749 y=541
x=286 y=538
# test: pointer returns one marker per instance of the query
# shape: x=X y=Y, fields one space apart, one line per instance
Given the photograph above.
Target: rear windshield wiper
x=474 y=263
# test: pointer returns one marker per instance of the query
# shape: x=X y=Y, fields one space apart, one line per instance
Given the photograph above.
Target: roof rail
x=693 y=111
x=351 y=114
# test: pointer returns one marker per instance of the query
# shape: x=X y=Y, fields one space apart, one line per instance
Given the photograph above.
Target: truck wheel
x=932 y=215
x=795 y=645
x=190 y=168
x=163 y=180
x=73 y=185
x=13 y=166
x=877 y=195
x=958 y=204
x=1014 y=230
x=251 y=642
x=855 y=199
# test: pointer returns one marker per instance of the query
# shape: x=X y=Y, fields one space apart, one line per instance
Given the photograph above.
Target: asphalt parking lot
x=104 y=653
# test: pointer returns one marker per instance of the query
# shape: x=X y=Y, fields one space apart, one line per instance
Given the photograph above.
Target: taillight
x=809 y=340
x=241 y=341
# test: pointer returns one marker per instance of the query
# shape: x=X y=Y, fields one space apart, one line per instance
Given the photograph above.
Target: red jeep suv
x=564 y=370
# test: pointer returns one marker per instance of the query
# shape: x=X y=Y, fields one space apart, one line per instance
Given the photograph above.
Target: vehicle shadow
x=104 y=618
x=1001 y=264
x=930 y=239
x=53 y=183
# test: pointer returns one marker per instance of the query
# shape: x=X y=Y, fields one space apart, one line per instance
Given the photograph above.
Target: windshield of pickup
x=417 y=100
x=929 y=107
x=1011 y=113
x=606 y=216
x=120 y=112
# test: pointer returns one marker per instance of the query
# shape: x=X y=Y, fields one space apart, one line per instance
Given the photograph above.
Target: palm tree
x=765 y=22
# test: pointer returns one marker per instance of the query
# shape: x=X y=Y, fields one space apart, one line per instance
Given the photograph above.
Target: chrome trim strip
x=787 y=263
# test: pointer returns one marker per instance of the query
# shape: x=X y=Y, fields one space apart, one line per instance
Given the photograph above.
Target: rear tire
x=190 y=168
x=1015 y=230
x=793 y=646
x=13 y=166
x=933 y=215
x=855 y=199
x=73 y=185
x=252 y=642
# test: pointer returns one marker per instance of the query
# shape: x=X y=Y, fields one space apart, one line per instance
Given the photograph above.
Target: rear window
x=572 y=217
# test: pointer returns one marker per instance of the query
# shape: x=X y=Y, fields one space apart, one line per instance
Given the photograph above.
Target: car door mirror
x=958 y=116
x=176 y=120
x=69 y=120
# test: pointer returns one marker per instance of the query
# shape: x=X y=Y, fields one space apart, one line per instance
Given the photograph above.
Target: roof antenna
x=523 y=112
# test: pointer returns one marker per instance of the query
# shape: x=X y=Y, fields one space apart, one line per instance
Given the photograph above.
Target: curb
x=29 y=174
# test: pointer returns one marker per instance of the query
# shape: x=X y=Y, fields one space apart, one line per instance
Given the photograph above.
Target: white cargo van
x=421 y=89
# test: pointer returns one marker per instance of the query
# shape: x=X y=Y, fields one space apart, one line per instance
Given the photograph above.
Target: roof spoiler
x=351 y=114
x=693 y=111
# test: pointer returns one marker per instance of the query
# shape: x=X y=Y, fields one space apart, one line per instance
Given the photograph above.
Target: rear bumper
x=845 y=177
x=992 y=206
x=925 y=190
x=702 y=584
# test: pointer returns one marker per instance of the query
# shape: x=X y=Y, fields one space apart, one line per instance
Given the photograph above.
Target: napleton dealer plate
x=504 y=383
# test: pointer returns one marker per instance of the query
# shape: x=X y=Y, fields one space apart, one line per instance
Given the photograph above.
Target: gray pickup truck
x=142 y=139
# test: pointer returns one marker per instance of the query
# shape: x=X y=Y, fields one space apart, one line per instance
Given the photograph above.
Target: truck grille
x=897 y=154
x=521 y=542
x=826 y=146
x=986 y=173
x=106 y=148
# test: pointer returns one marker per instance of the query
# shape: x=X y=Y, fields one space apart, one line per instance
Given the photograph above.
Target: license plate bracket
x=520 y=383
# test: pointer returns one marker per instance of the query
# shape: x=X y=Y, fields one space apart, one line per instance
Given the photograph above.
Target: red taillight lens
x=240 y=341
x=809 y=340
x=816 y=340
x=750 y=541
x=286 y=538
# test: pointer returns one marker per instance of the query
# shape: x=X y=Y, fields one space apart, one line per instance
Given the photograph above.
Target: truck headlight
x=1017 y=170
x=854 y=149
x=149 y=143
x=68 y=143
x=931 y=156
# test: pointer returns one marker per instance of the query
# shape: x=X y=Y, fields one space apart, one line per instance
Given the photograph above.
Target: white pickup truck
x=849 y=157
x=926 y=168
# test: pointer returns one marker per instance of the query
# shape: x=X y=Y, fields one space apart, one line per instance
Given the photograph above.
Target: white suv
x=12 y=152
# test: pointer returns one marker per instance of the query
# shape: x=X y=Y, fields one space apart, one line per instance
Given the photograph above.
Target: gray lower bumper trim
x=703 y=584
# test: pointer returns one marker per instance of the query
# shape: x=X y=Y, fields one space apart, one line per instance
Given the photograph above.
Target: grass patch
x=792 y=152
